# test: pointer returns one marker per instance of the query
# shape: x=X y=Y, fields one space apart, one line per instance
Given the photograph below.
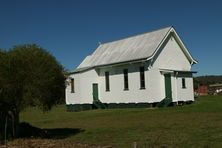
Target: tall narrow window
x=183 y=83
x=107 y=80
x=126 y=85
x=142 y=78
x=72 y=86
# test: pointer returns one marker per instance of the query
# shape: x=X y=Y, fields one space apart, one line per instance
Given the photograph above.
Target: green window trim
x=72 y=85
x=184 y=83
x=107 y=81
x=126 y=82
x=142 y=78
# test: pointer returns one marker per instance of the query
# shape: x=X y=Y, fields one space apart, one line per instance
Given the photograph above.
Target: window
x=183 y=83
x=142 y=78
x=107 y=80
x=72 y=86
x=126 y=85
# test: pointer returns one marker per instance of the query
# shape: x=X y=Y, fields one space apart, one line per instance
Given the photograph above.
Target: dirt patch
x=47 y=143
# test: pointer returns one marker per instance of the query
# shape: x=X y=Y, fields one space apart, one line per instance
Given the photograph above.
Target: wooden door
x=95 y=92
x=168 y=88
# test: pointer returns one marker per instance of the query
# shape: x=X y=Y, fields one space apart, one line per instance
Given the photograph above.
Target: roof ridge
x=132 y=36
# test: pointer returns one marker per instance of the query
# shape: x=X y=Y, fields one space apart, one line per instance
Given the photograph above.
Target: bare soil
x=47 y=143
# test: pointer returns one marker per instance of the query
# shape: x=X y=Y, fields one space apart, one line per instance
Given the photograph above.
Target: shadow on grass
x=26 y=130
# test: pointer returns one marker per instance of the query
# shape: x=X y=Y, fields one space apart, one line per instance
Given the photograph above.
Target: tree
x=30 y=76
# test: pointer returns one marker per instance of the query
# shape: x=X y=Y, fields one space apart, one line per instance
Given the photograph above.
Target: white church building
x=146 y=68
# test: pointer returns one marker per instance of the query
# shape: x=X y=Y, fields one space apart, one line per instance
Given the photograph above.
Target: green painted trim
x=168 y=87
x=163 y=103
x=83 y=107
x=95 y=91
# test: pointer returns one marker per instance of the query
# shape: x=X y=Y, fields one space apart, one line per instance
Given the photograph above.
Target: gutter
x=79 y=70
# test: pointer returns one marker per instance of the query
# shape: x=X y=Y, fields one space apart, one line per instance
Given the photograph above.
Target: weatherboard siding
x=172 y=57
x=185 y=94
x=83 y=86
x=88 y=78
x=117 y=94
x=154 y=85
x=74 y=98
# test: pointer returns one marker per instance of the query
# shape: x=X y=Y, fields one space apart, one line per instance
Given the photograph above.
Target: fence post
x=6 y=126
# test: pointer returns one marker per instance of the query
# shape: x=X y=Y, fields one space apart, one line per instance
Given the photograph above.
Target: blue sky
x=71 y=29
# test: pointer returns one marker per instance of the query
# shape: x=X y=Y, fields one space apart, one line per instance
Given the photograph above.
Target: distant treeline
x=207 y=80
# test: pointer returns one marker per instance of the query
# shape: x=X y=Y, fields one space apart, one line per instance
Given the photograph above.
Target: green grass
x=195 y=125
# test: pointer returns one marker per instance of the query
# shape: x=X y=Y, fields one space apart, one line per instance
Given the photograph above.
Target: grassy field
x=195 y=125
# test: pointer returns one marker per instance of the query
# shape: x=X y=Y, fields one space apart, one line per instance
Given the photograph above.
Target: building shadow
x=28 y=131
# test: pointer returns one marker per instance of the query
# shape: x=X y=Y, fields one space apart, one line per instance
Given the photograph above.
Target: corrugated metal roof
x=85 y=62
x=133 y=48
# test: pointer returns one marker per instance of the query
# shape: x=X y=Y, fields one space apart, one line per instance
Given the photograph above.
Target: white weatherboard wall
x=172 y=57
x=154 y=88
x=185 y=94
x=87 y=79
x=155 y=85
x=117 y=94
x=70 y=96
x=83 y=87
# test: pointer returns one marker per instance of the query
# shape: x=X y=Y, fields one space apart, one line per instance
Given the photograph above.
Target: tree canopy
x=29 y=75
x=207 y=80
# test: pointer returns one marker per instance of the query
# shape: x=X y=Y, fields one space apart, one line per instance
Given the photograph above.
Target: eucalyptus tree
x=30 y=76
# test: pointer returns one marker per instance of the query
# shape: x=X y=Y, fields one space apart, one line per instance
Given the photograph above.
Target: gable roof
x=143 y=46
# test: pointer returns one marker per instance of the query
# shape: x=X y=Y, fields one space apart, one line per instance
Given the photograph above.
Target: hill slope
x=206 y=80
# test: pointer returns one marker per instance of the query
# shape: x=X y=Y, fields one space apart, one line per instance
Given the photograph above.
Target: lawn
x=195 y=125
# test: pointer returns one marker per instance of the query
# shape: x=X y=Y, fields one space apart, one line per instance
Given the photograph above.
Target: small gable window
x=183 y=83
x=126 y=84
x=72 y=85
x=107 y=81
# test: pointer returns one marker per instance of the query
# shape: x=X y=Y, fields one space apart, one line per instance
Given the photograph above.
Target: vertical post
x=134 y=145
x=16 y=122
x=6 y=124
x=12 y=116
